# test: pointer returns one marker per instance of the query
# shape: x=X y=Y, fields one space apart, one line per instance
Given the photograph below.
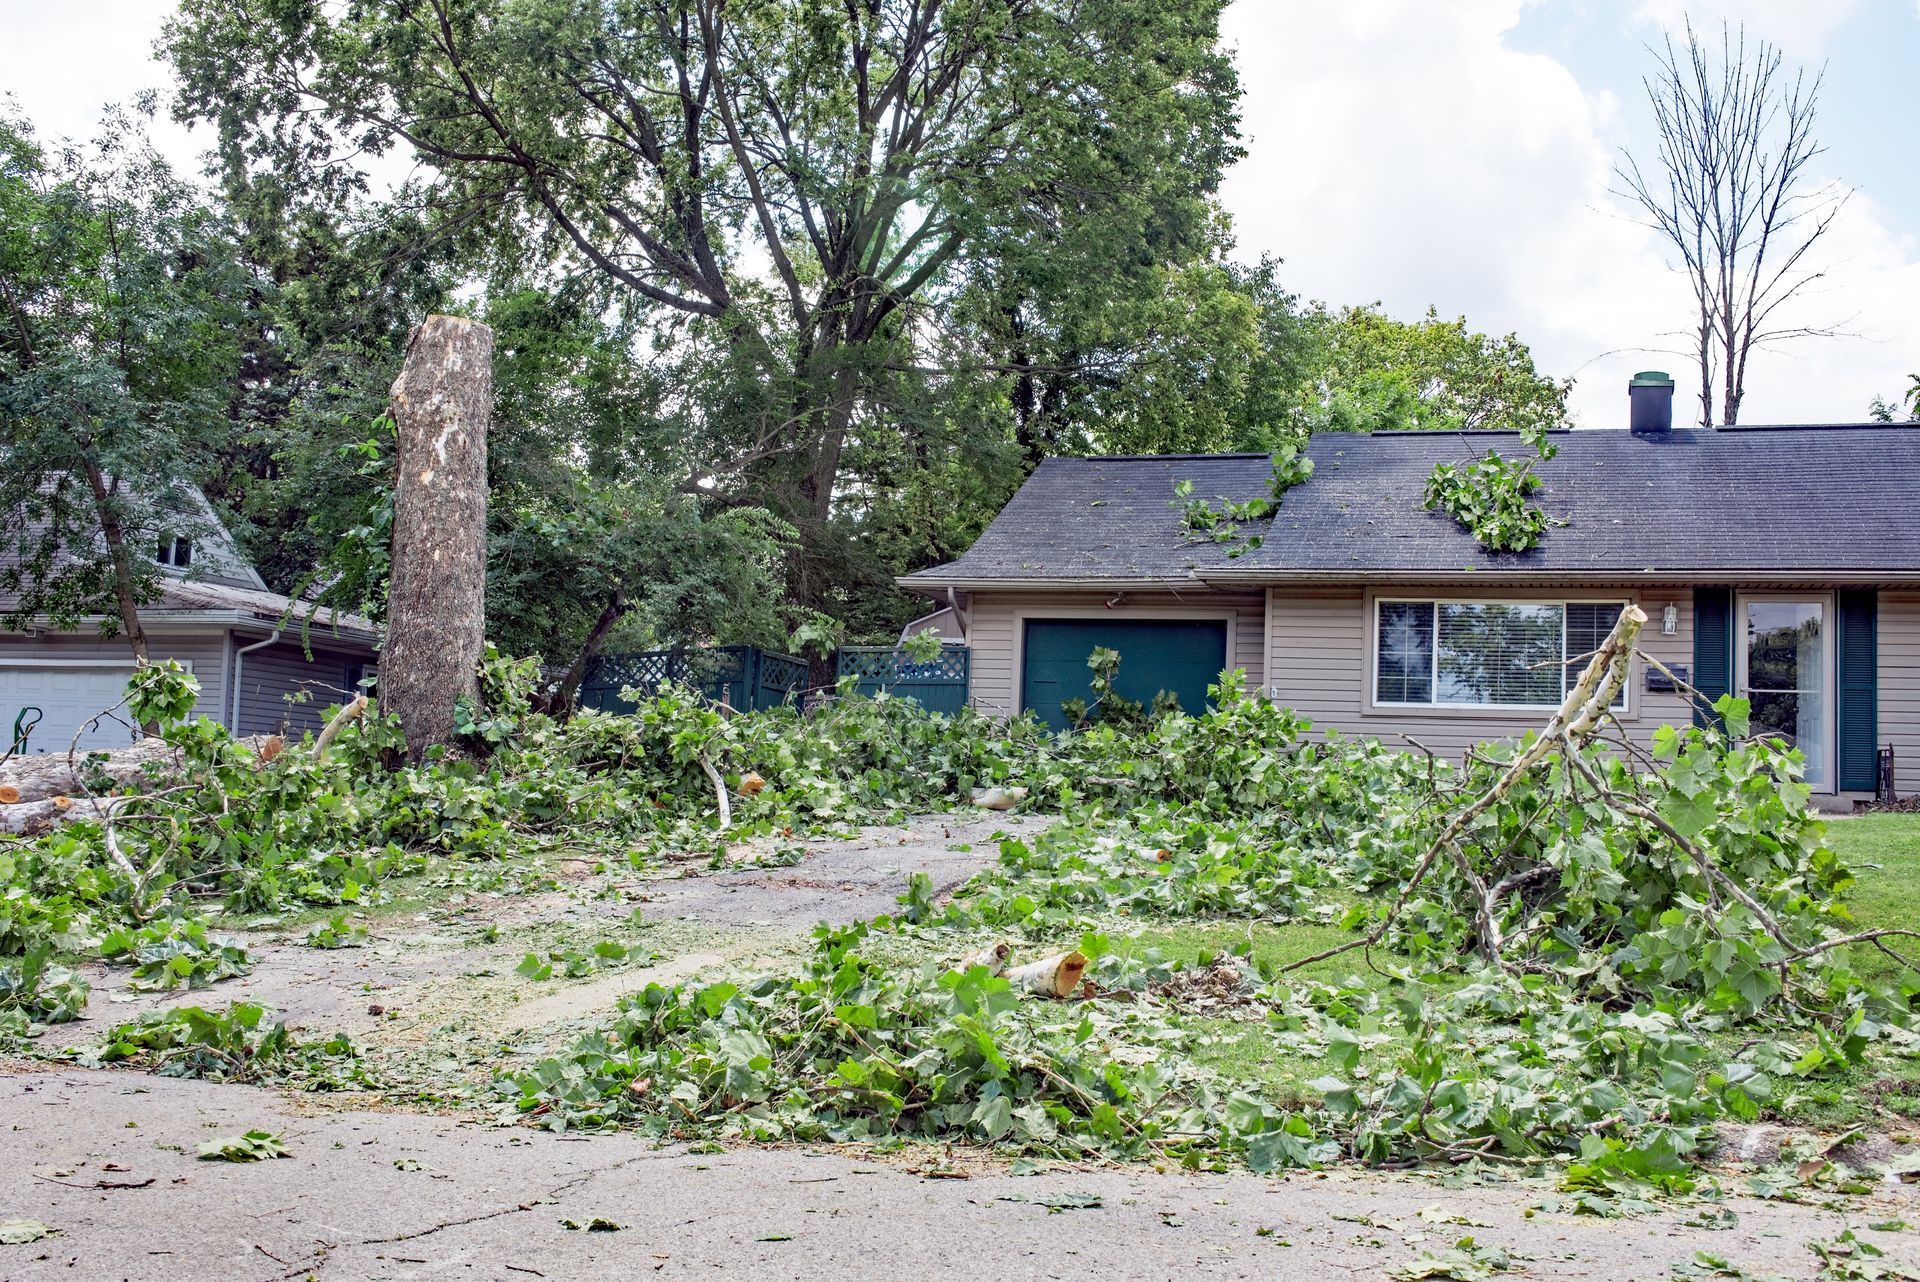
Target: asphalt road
x=107 y=1160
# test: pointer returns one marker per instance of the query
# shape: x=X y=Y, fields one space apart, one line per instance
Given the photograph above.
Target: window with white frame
x=175 y=551
x=1485 y=654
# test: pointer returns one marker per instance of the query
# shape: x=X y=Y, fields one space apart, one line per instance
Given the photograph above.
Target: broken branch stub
x=993 y=957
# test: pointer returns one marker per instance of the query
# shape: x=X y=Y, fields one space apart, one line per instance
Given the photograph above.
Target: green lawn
x=1884 y=853
x=1882 y=850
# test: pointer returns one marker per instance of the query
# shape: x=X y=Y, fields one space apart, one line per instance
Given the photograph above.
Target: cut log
x=994 y=958
x=50 y=774
x=40 y=792
x=998 y=798
x=436 y=620
x=1050 y=976
x=31 y=818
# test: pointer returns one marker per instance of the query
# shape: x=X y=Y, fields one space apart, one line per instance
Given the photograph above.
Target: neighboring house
x=250 y=649
x=1781 y=563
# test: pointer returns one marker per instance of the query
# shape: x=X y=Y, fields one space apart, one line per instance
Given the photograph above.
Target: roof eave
x=1517 y=574
x=935 y=587
x=213 y=618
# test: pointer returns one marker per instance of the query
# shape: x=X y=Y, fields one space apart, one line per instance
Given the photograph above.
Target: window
x=1488 y=654
x=175 y=552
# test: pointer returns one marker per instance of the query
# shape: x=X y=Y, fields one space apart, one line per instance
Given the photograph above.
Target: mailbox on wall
x=1658 y=680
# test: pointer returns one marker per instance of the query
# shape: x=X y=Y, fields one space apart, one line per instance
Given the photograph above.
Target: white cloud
x=1399 y=151
x=1799 y=27
x=65 y=68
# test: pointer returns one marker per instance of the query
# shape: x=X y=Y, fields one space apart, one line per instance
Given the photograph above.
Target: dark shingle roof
x=1767 y=500
x=1106 y=518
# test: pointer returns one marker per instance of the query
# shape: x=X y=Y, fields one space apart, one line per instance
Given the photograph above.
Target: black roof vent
x=1650 y=403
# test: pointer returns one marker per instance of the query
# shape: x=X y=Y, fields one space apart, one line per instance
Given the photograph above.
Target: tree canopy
x=827 y=219
x=787 y=300
x=120 y=292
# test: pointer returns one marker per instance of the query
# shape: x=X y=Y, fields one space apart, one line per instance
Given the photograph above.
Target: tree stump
x=436 y=617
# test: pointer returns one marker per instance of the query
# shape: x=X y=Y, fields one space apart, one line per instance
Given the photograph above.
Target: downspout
x=959 y=615
x=239 y=667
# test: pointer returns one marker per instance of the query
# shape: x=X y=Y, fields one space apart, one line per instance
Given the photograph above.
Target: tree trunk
x=436 y=617
x=115 y=536
x=560 y=702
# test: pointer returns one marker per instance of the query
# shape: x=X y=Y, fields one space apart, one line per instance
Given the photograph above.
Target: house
x=249 y=647
x=1781 y=563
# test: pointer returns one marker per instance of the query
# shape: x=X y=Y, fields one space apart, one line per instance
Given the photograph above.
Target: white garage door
x=66 y=699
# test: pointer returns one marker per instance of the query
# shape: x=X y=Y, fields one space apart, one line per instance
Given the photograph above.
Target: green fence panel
x=743 y=677
x=938 y=685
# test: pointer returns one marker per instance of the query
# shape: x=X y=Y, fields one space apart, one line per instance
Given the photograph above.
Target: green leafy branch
x=1225 y=522
x=1488 y=496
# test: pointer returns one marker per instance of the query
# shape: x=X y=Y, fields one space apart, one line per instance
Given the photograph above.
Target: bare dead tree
x=1733 y=194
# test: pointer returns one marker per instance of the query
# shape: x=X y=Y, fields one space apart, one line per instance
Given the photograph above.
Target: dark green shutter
x=1712 y=647
x=1857 y=673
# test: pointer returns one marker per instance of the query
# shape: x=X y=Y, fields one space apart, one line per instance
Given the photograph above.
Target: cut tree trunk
x=436 y=619
x=31 y=818
x=1050 y=976
x=39 y=777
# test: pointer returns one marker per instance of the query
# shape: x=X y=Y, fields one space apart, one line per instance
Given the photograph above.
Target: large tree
x=800 y=194
x=119 y=293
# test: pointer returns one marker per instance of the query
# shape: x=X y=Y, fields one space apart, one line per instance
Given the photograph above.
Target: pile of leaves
x=242 y=1043
x=1628 y=949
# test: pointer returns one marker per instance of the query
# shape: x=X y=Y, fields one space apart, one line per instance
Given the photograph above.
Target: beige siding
x=204 y=652
x=994 y=626
x=1318 y=657
x=1899 y=650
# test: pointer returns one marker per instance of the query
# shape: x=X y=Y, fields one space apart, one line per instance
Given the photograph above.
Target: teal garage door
x=1184 y=657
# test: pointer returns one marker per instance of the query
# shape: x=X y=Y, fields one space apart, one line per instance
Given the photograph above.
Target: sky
x=1460 y=155
x=1456 y=154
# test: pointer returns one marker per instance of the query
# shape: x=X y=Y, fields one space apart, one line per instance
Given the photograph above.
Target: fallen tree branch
x=719 y=792
x=352 y=711
x=1580 y=714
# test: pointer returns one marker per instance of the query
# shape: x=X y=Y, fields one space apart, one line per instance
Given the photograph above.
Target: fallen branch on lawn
x=1584 y=710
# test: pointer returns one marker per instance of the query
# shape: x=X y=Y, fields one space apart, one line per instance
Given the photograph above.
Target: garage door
x=64 y=699
x=1180 y=656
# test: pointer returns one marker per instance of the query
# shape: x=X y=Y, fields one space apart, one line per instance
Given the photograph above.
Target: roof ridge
x=1156 y=458
x=1871 y=425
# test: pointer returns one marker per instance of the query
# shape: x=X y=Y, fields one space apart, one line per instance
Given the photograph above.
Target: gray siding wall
x=1899 y=652
x=204 y=651
x=994 y=626
x=268 y=675
x=1319 y=652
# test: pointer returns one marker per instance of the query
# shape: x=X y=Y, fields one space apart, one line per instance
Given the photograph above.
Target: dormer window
x=176 y=553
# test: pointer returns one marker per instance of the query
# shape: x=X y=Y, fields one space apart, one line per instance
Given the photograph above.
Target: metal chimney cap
x=1651 y=378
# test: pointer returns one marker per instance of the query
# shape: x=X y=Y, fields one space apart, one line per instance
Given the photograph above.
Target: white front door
x=1786 y=673
x=52 y=703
